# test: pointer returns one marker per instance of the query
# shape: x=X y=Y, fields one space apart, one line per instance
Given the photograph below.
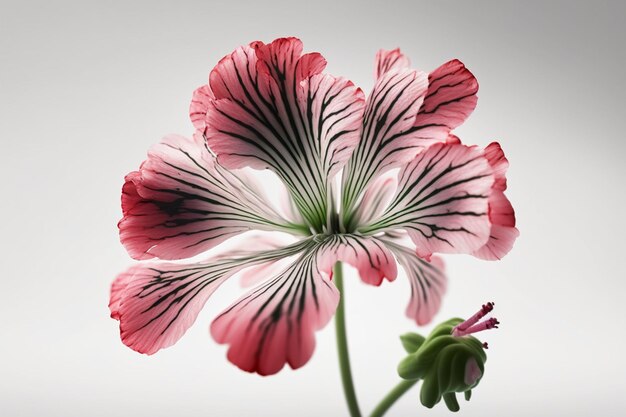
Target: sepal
x=412 y=342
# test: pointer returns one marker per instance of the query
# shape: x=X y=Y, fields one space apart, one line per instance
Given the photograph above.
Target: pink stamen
x=485 y=309
x=485 y=325
x=471 y=325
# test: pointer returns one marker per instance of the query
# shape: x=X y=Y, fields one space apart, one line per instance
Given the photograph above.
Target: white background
x=86 y=88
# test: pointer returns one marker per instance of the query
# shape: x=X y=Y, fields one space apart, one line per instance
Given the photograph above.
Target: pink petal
x=389 y=60
x=451 y=98
x=334 y=107
x=288 y=206
x=501 y=214
x=275 y=323
x=391 y=109
x=254 y=274
x=236 y=78
x=375 y=199
x=428 y=283
x=252 y=244
x=181 y=203
x=367 y=254
x=499 y=163
x=453 y=140
x=156 y=303
x=272 y=190
x=442 y=200
x=161 y=301
x=500 y=210
x=130 y=196
x=118 y=286
x=273 y=109
x=199 y=106
x=503 y=232
x=281 y=57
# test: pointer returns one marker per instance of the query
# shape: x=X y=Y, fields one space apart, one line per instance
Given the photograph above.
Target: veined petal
x=162 y=301
x=273 y=191
x=367 y=254
x=199 y=106
x=181 y=203
x=503 y=231
x=333 y=108
x=376 y=198
x=448 y=101
x=428 y=282
x=390 y=112
x=389 y=60
x=275 y=323
x=500 y=209
x=283 y=58
x=274 y=109
x=499 y=163
x=157 y=302
x=451 y=98
x=442 y=200
x=254 y=273
x=118 y=286
x=501 y=214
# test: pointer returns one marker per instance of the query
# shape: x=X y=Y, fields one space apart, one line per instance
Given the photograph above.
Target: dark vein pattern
x=275 y=324
x=441 y=200
x=388 y=60
x=271 y=107
x=157 y=302
x=451 y=98
x=275 y=110
x=390 y=112
x=181 y=203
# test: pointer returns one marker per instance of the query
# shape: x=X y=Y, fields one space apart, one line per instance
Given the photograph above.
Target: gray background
x=86 y=87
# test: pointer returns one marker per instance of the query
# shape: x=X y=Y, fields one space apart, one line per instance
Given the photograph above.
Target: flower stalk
x=342 y=345
x=394 y=395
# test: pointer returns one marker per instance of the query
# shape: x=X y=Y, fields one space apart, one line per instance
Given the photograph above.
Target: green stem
x=342 y=346
x=392 y=397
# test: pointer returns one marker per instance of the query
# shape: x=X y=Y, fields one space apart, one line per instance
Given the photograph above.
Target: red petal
x=451 y=98
x=503 y=232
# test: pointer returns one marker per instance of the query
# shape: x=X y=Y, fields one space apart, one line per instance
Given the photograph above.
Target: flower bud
x=447 y=364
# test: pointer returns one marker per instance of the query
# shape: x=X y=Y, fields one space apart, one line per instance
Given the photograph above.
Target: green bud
x=446 y=364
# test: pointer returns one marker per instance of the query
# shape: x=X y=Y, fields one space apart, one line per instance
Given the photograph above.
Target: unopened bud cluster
x=449 y=360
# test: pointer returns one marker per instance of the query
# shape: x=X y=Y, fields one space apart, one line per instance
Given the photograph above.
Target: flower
x=405 y=178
